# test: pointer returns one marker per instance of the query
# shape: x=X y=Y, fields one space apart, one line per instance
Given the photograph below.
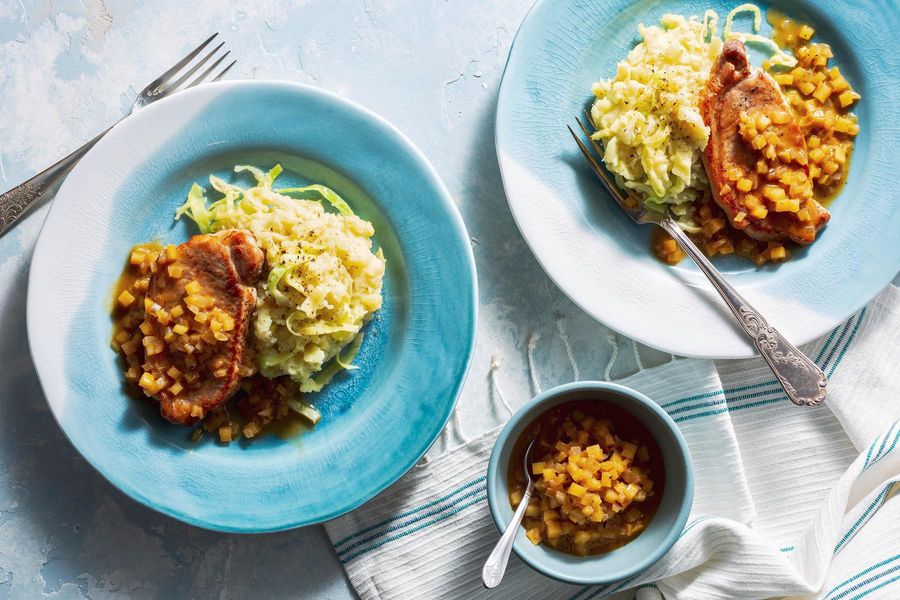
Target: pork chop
x=756 y=156
x=198 y=309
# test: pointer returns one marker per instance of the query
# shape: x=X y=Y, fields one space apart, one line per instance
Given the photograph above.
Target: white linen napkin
x=781 y=505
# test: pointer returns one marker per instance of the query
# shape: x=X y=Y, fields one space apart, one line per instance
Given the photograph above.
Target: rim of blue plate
x=456 y=223
x=653 y=416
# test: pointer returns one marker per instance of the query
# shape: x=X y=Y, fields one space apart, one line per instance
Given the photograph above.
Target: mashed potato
x=324 y=281
x=647 y=115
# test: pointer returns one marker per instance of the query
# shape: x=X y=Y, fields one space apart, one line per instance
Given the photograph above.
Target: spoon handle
x=803 y=381
x=495 y=566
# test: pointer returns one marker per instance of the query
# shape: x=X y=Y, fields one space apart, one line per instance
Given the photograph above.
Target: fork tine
x=173 y=86
x=594 y=143
x=164 y=78
x=225 y=70
x=587 y=155
x=613 y=189
x=587 y=133
x=212 y=67
x=626 y=198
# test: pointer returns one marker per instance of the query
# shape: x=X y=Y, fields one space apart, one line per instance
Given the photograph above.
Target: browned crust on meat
x=226 y=264
x=735 y=86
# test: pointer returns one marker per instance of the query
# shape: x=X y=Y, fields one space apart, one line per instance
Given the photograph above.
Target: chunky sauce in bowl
x=599 y=477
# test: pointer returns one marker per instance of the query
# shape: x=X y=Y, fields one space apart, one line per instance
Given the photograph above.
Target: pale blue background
x=67 y=70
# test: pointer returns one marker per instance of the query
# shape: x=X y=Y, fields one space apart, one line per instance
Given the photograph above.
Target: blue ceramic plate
x=602 y=260
x=665 y=526
x=377 y=421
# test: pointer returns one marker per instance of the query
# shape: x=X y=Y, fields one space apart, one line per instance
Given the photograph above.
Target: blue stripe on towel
x=827 y=343
x=708 y=413
x=876 y=588
x=883 y=443
x=690 y=398
x=413 y=511
x=862 y=574
x=873 y=508
x=844 y=331
x=577 y=595
x=690 y=407
x=891 y=448
x=858 y=586
x=871 y=460
x=840 y=357
x=398 y=526
x=717 y=406
x=445 y=515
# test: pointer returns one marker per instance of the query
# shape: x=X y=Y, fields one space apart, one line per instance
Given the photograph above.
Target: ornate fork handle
x=17 y=201
x=803 y=381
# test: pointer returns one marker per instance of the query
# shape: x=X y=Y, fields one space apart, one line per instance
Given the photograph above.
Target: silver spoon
x=495 y=565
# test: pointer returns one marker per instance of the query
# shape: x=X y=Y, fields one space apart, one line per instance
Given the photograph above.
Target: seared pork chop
x=756 y=156
x=200 y=302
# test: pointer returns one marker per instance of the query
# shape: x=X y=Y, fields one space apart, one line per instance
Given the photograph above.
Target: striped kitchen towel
x=789 y=501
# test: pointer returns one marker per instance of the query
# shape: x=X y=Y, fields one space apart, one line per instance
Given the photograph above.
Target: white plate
x=602 y=260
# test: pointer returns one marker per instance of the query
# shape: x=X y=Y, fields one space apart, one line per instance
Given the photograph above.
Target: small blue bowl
x=664 y=528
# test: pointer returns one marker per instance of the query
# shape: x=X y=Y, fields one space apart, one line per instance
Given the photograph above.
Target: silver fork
x=16 y=202
x=803 y=381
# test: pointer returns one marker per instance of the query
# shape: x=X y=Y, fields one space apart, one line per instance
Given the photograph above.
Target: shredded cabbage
x=324 y=279
x=232 y=192
x=340 y=363
x=320 y=191
x=778 y=57
x=752 y=9
x=195 y=209
x=267 y=360
x=710 y=24
x=648 y=118
x=647 y=115
x=305 y=410
x=263 y=179
x=347 y=361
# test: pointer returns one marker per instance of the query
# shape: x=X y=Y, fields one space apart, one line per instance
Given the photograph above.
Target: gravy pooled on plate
x=265 y=304
x=599 y=477
x=182 y=325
